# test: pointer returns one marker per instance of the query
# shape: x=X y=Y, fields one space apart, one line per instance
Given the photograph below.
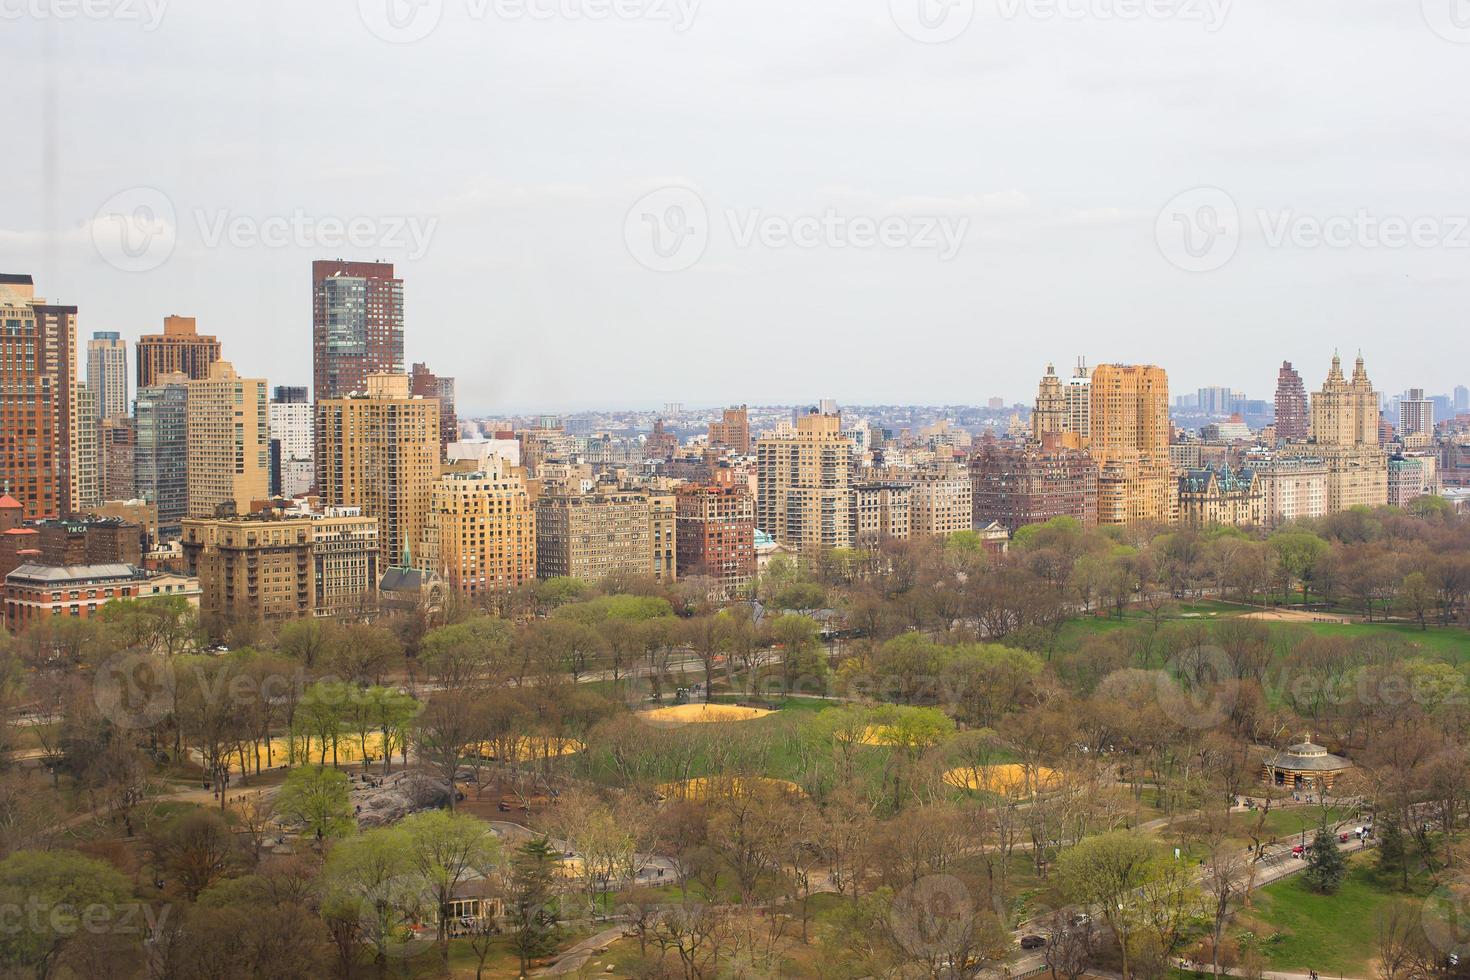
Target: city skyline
x=514 y=249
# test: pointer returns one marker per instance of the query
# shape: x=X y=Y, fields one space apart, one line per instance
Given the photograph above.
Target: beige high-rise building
x=1344 y=434
x=943 y=502
x=228 y=442
x=275 y=566
x=663 y=526
x=380 y=451
x=107 y=373
x=181 y=349
x=481 y=535
x=1049 y=415
x=86 y=451
x=1129 y=437
x=591 y=535
x=881 y=511
x=1294 y=488
x=804 y=485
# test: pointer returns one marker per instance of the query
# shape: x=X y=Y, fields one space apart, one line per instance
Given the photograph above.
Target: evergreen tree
x=532 y=907
x=1393 y=853
x=1325 y=866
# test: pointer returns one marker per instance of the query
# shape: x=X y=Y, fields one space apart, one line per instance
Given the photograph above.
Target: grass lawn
x=1332 y=934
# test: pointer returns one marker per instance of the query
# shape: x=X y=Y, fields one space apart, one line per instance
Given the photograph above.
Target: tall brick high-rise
x=716 y=534
x=426 y=384
x=181 y=349
x=37 y=398
x=1292 y=421
x=356 y=326
x=732 y=431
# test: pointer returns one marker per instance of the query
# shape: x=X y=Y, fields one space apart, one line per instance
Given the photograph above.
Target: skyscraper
x=292 y=469
x=1416 y=414
x=1049 y=415
x=229 y=442
x=357 y=326
x=1291 y=405
x=85 y=471
x=1462 y=399
x=107 y=373
x=804 y=485
x=1345 y=420
x=379 y=450
x=161 y=452
x=732 y=431
x=37 y=399
x=180 y=348
x=481 y=534
x=426 y=384
x=1130 y=441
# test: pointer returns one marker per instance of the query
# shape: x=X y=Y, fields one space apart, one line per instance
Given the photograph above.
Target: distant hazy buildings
x=180 y=349
x=357 y=326
x=107 y=373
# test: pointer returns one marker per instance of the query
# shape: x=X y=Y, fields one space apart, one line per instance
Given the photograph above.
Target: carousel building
x=1303 y=766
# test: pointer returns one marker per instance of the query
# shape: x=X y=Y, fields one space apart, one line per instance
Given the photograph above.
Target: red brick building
x=715 y=533
x=34 y=593
x=1017 y=486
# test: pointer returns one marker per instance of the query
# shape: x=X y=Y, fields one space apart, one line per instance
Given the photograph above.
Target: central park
x=1103 y=753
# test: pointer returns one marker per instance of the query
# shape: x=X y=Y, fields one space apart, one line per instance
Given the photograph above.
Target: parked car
x=1298 y=851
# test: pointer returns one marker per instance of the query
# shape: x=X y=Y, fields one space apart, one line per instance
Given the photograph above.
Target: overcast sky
x=627 y=202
